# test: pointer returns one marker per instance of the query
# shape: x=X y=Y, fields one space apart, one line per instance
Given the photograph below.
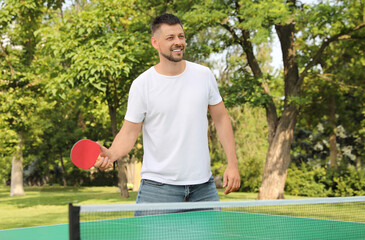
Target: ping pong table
x=218 y=225
x=199 y=225
x=54 y=232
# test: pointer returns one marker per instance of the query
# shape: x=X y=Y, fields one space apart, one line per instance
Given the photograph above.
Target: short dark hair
x=165 y=18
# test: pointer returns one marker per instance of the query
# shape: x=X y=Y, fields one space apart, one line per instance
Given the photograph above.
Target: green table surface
x=212 y=225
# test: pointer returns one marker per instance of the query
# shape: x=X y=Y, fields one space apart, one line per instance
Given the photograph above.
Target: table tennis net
x=322 y=218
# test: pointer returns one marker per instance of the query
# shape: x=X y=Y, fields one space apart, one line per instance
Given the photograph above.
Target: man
x=170 y=102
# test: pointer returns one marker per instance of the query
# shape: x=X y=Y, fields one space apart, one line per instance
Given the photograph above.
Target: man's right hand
x=104 y=160
x=121 y=146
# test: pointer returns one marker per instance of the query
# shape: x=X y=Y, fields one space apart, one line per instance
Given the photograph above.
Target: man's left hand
x=231 y=179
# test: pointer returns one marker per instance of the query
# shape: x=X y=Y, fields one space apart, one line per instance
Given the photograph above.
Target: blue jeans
x=156 y=192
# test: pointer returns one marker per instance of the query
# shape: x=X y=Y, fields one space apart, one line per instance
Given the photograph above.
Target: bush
x=305 y=180
x=251 y=175
x=103 y=178
x=250 y=172
x=347 y=181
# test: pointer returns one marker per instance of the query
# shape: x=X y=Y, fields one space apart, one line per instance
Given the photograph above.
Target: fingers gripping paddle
x=85 y=153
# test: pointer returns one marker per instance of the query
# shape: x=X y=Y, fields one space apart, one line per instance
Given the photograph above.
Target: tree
x=99 y=53
x=18 y=22
x=247 y=23
x=334 y=90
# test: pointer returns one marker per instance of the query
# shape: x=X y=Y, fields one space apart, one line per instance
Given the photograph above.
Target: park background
x=291 y=75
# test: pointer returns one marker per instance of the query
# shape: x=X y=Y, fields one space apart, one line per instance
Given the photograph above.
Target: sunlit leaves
x=97 y=46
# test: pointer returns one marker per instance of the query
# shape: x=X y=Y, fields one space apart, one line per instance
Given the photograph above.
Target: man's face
x=169 y=40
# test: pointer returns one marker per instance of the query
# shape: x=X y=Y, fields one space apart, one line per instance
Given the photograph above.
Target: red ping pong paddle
x=85 y=153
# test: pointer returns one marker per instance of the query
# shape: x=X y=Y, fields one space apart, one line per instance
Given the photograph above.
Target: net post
x=73 y=222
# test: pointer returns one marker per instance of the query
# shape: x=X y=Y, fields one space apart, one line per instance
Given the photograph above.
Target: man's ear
x=154 y=43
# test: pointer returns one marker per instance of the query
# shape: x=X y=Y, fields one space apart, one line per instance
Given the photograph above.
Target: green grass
x=349 y=212
x=49 y=205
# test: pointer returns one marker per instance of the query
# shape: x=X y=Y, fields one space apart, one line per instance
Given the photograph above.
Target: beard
x=171 y=58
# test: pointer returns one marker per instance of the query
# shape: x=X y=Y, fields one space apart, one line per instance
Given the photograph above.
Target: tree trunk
x=332 y=123
x=122 y=163
x=63 y=171
x=278 y=157
x=122 y=175
x=16 y=184
x=270 y=107
x=280 y=131
x=358 y=163
x=113 y=119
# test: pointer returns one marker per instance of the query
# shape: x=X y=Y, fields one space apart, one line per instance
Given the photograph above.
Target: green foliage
x=243 y=88
x=233 y=23
x=250 y=15
x=312 y=146
x=77 y=177
x=347 y=181
x=97 y=48
x=20 y=87
x=305 y=180
x=102 y=178
x=8 y=139
x=249 y=126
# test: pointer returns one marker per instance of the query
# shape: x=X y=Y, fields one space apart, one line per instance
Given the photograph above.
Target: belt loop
x=187 y=192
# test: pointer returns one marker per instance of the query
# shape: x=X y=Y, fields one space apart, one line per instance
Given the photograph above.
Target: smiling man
x=170 y=102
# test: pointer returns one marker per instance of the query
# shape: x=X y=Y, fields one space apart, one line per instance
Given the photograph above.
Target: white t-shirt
x=175 y=128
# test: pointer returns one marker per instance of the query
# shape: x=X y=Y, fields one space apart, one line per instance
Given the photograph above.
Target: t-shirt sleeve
x=136 y=109
x=214 y=95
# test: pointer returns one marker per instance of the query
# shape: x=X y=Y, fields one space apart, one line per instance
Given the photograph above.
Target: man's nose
x=179 y=42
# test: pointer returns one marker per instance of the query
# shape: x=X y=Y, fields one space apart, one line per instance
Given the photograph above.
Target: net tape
x=205 y=205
